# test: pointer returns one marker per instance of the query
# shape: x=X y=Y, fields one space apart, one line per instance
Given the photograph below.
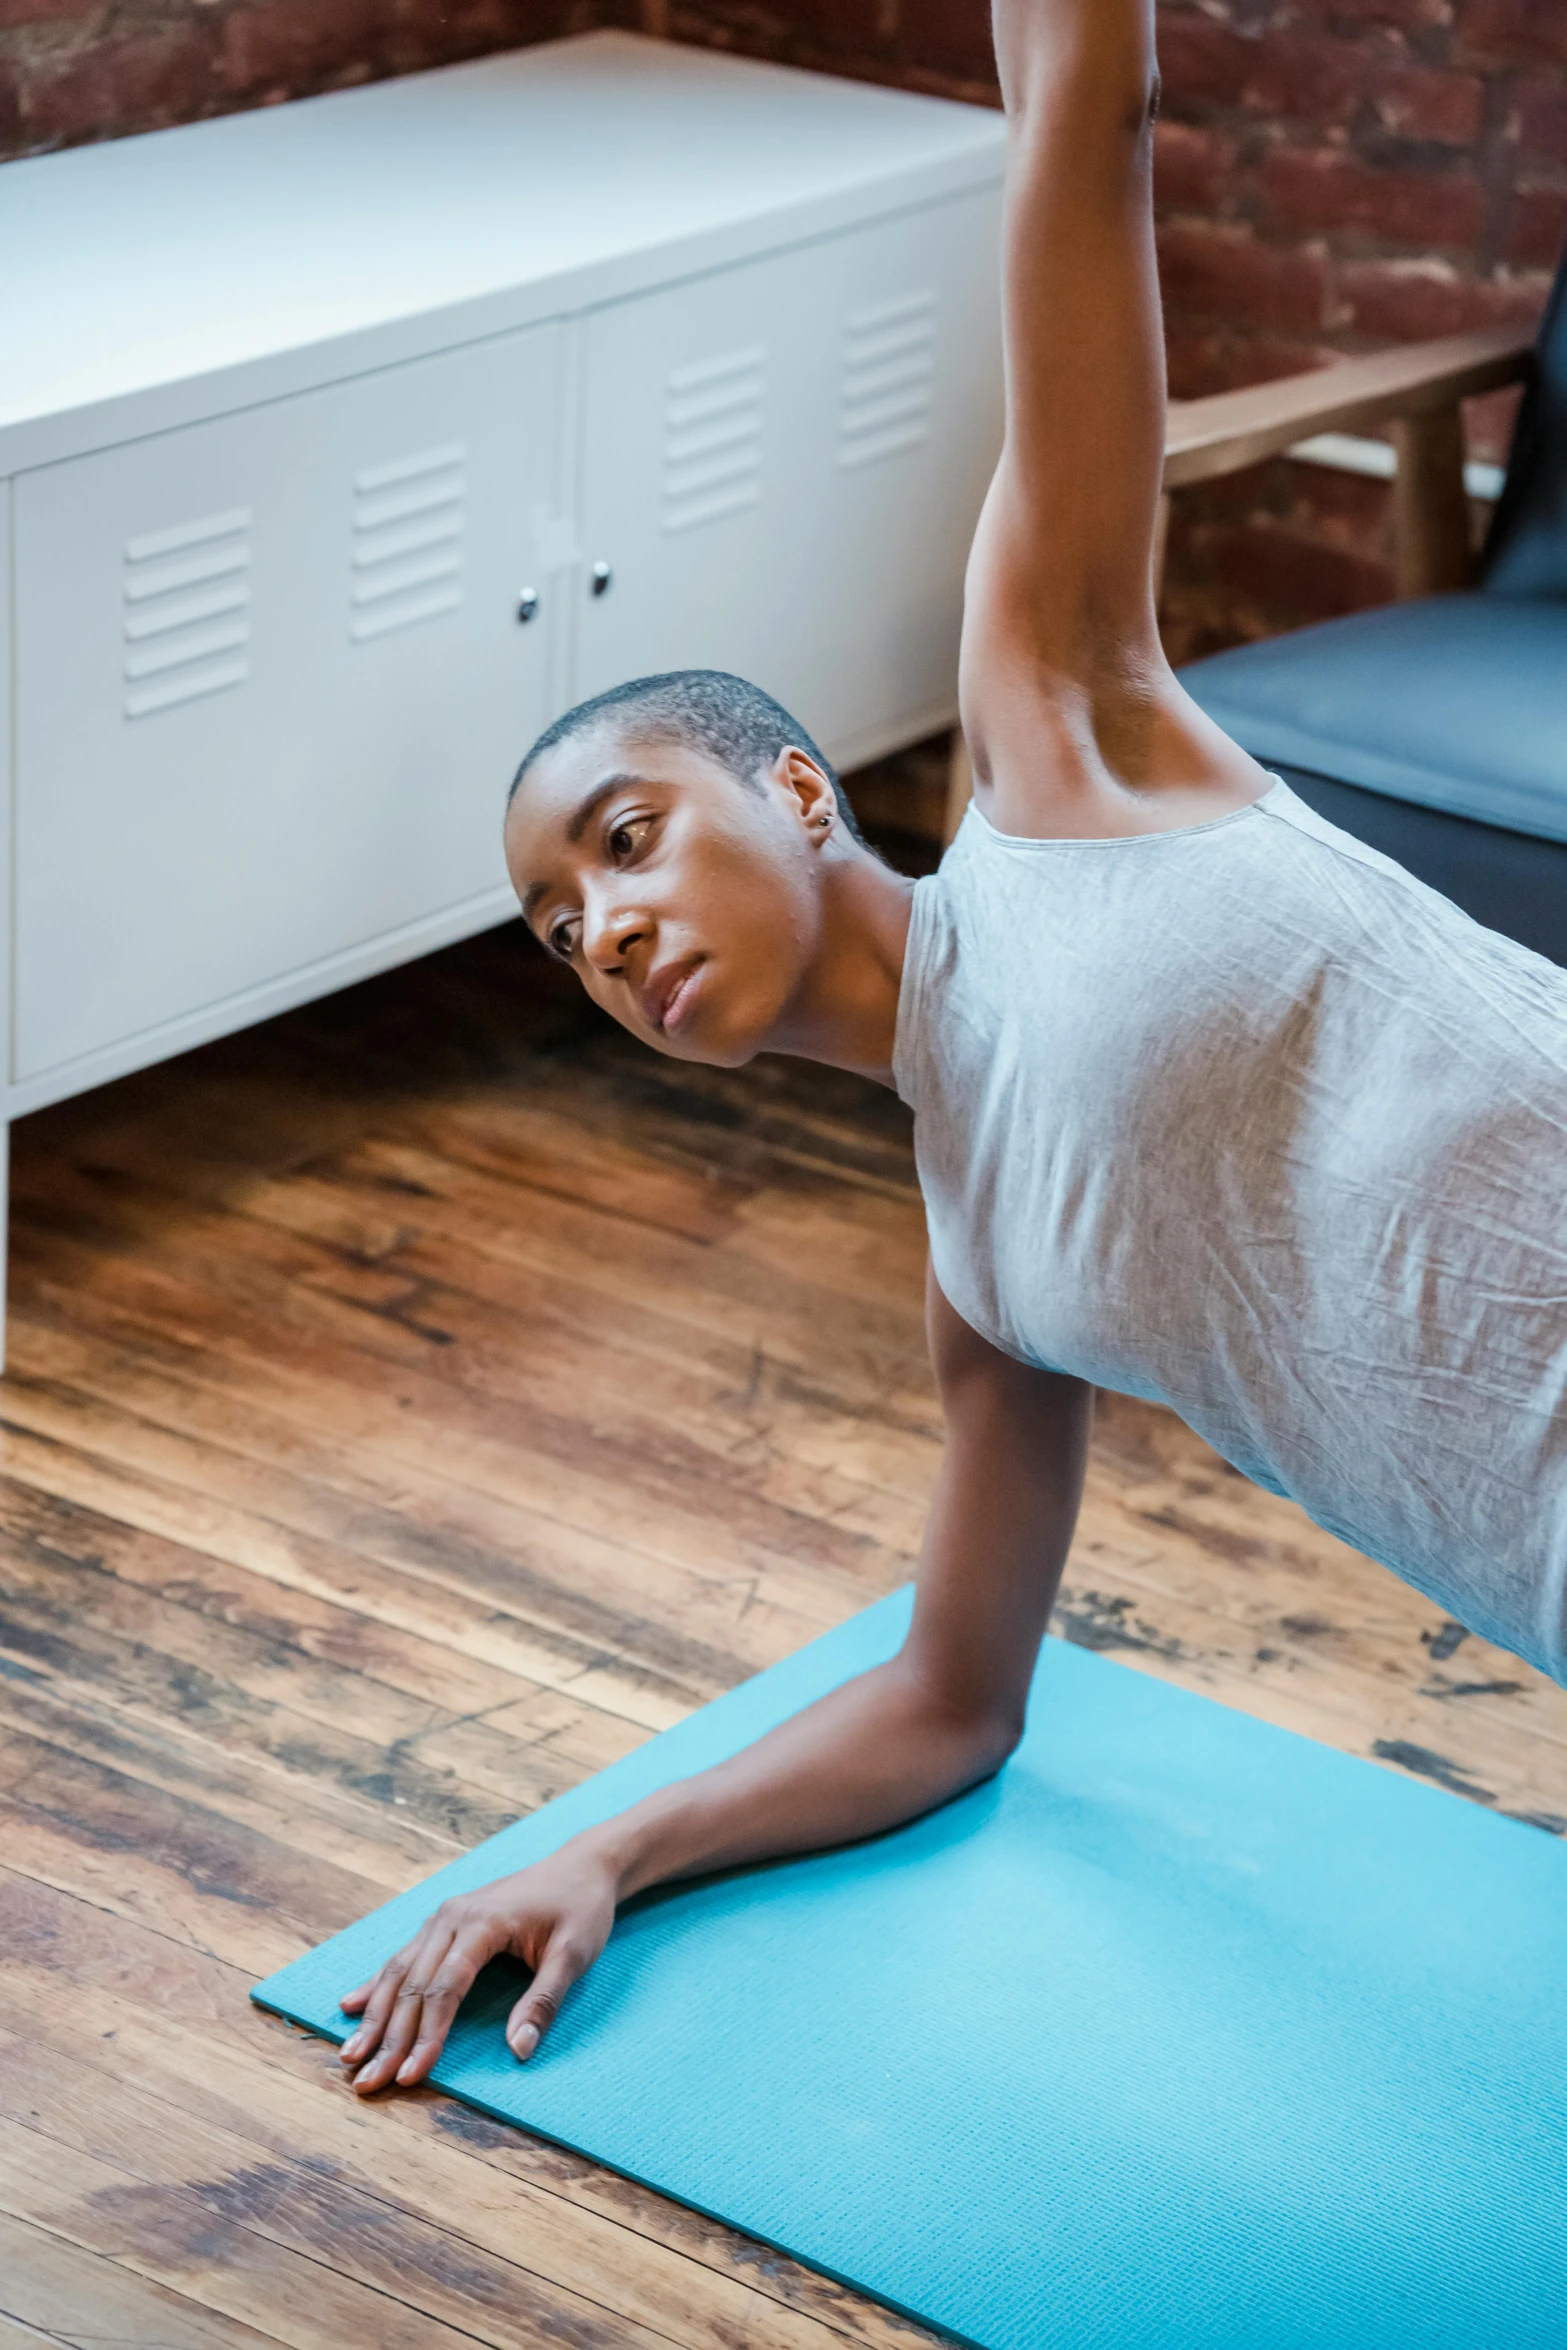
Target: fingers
x=376 y=1999
x=444 y=1994
x=406 y=2011
x=390 y=2023
x=540 y=2004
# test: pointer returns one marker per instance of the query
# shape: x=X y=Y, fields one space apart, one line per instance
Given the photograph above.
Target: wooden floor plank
x=190 y=1412
x=414 y=1404
x=372 y=2216
x=579 y=1586
x=57 y=2291
x=123 y=1649
x=431 y=1602
x=408 y=1289
x=232 y=2254
x=576 y=1474
x=115 y=1836
x=15 y=2335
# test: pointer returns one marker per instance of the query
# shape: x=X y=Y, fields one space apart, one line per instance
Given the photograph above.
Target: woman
x=1212 y=1104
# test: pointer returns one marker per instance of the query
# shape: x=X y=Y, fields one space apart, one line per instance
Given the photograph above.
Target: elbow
x=996 y=1739
x=980 y=1742
x=963 y=1734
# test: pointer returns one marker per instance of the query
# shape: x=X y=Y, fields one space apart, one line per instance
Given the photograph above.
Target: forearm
x=1085 y=357
x=1059 y=618
x=867 y=1756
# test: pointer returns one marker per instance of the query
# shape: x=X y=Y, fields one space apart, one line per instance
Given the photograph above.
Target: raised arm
x=1066 y=693
x=943 y=1714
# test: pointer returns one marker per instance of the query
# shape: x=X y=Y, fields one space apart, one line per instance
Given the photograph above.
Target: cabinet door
x=783 y=463
x=271 y=687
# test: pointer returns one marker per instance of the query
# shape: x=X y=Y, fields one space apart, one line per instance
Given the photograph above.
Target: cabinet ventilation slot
x=407 y=552
x=713 y=438
x=888 y=367
x=186 y=611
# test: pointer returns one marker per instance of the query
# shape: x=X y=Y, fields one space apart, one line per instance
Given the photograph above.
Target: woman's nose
x=609 y=933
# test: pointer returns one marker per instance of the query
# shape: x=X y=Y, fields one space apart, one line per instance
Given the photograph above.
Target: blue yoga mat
x=1181 y=2032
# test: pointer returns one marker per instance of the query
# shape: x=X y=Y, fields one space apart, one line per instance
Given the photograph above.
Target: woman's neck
x=845 y=1012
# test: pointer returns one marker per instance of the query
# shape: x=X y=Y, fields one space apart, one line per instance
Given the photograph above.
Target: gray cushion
x=1453 y=702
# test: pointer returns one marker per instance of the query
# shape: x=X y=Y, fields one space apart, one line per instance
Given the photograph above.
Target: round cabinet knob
x=527 y=606
x=599 y=578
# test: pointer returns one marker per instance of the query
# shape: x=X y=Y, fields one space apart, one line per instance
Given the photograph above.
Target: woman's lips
x=669 y=995
x=679 y=1004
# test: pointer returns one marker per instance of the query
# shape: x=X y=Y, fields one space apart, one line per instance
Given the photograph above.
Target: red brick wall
x=1329 y=177
x=96 y=69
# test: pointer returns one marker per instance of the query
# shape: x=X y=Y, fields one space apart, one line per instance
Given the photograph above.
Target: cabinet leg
x=5 y=1225
x=960 y=785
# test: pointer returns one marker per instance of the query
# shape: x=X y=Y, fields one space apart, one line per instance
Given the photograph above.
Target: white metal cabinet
x=780 y=468
x=271 y=678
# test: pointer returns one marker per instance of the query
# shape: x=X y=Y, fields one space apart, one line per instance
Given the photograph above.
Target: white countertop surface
x=420 y=212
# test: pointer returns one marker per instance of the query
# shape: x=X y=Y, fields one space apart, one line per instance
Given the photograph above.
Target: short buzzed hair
x=707 y=710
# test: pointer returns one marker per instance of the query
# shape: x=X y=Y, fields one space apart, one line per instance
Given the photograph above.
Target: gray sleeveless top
x=1244 y=1119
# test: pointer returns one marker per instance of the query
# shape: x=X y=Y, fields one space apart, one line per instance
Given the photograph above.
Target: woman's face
x=685 y=899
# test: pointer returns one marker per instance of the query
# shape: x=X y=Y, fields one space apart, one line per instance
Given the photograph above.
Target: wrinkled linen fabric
x=1244 y=1119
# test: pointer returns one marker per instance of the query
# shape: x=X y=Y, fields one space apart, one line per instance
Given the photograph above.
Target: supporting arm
x=943 y=1714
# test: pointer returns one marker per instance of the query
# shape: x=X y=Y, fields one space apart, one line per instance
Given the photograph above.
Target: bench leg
x=1430 y=508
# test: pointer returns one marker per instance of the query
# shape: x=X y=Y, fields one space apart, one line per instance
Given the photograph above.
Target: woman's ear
x=810 y=789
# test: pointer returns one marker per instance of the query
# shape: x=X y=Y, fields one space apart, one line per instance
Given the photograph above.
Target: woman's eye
x=626 y=837
x=562 y=941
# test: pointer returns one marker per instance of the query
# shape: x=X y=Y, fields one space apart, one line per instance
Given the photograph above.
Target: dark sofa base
x=1510 y=881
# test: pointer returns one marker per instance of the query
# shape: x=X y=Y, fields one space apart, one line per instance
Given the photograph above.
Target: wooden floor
x=413 y=1404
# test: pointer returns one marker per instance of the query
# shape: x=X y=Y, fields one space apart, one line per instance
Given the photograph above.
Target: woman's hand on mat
x=555 y=1917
